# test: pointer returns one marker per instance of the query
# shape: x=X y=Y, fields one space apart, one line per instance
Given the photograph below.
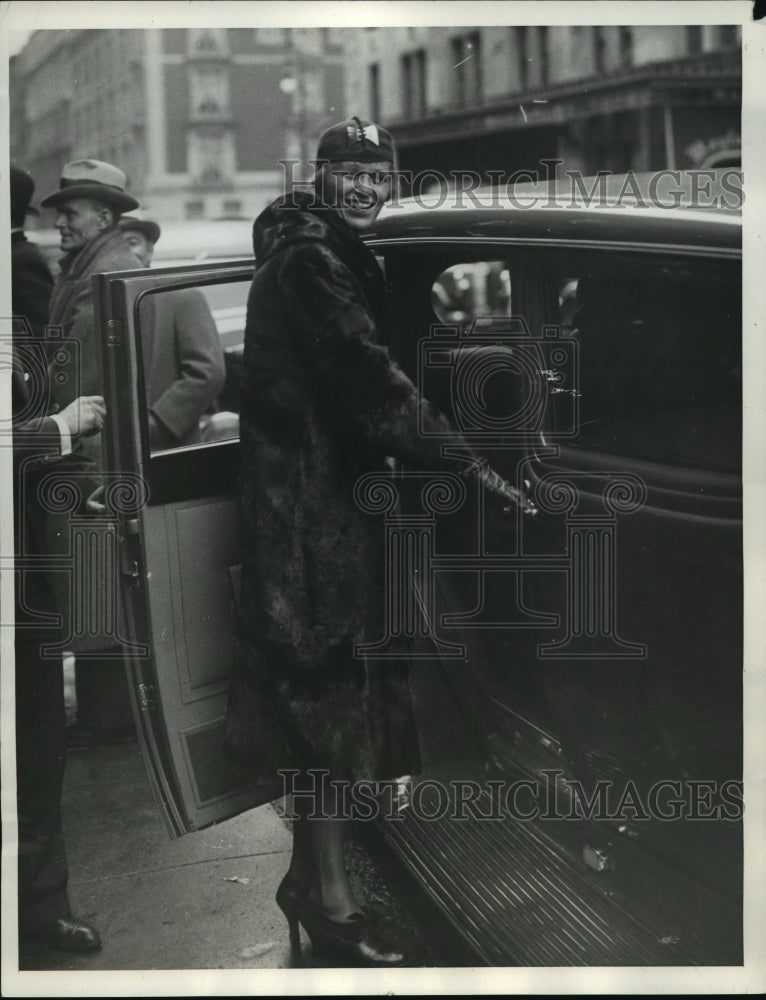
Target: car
x=576 y=657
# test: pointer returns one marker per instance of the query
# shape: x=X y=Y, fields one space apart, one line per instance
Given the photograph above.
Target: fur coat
x=322 y=404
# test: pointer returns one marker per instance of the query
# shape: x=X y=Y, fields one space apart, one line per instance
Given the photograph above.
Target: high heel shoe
x=356 y=939
x=289 y=896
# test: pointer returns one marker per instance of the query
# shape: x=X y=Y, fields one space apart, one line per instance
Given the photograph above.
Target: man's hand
x=85 y=415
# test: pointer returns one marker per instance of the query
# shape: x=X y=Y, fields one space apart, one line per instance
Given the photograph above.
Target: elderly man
x=182 y=355
x=90 y=200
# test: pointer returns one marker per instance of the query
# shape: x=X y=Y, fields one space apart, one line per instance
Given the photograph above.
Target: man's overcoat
x=78 y=372
x=182 y=359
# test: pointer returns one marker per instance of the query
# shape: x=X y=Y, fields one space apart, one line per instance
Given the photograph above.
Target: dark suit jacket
x=31 y=284
x=183 y=360
x=35 y=434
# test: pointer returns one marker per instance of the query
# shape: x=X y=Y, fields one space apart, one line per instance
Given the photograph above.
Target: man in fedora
x=90 y=200
x=40 y=432
x=183 y=360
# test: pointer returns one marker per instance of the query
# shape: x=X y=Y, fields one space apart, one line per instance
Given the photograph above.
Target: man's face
x=358 y=190
x=142 y=247
x=79 y=220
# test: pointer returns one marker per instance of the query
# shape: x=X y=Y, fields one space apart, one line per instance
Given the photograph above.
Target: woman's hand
x=495 y=483
x=94 y=504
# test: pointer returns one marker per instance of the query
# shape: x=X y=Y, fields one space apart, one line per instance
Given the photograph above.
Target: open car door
x=178 y=552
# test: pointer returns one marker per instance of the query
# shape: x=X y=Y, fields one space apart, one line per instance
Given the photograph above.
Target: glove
x=491 y=481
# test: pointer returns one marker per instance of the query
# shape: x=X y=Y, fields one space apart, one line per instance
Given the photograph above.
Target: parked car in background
x=181 y=242
x=578 y=669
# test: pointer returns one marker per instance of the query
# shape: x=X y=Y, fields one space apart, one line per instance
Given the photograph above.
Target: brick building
x=599 y=98
x=197 y=118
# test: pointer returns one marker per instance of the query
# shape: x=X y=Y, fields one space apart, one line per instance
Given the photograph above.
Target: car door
x=643 y=675
x=175 y=512
x=607 y=626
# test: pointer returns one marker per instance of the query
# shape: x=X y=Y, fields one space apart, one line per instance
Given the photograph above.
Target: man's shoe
x=67 y=934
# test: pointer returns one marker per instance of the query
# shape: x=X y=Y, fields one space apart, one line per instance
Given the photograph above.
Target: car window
x=190 y=344
x=475 y=288
x=657 y=344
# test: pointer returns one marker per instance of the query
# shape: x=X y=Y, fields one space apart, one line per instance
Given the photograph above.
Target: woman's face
x=357 y=190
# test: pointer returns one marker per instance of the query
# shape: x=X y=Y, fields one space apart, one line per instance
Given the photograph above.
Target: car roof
x=618 y=211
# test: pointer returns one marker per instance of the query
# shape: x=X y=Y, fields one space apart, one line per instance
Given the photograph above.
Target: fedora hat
x=22 y=188
x=92 y=179
x=146 y=227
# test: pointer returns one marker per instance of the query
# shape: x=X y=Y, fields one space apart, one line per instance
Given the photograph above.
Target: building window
x=414 y=83
x=522 y=54
x=466 y=65
x=545 y=56
x=206 y=42
x=333 y=36
x=174 y=40
x=726 y=36
x=599 y=50
x=194 y=209
x=626 y=46
x=694 y=39
x=374 y=81
x=270 y=36
x=232 y=208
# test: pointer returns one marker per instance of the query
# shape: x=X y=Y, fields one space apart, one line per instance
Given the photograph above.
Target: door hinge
x=132 y=573
x=114 y=333
x=145 y=697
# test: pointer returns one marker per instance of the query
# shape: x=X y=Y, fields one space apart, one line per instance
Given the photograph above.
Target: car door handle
x=130 y=570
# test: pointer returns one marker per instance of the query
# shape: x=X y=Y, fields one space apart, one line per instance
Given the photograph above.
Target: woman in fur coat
x=323 y=403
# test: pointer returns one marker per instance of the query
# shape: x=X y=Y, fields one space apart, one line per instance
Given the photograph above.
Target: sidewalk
x=205 y=900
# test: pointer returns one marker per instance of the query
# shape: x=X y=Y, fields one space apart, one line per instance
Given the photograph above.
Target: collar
x=87 y=250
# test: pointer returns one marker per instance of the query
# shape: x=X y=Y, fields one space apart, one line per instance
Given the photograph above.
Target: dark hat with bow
x=356 y=141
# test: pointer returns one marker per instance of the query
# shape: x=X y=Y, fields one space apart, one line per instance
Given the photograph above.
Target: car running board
x=515 y=898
